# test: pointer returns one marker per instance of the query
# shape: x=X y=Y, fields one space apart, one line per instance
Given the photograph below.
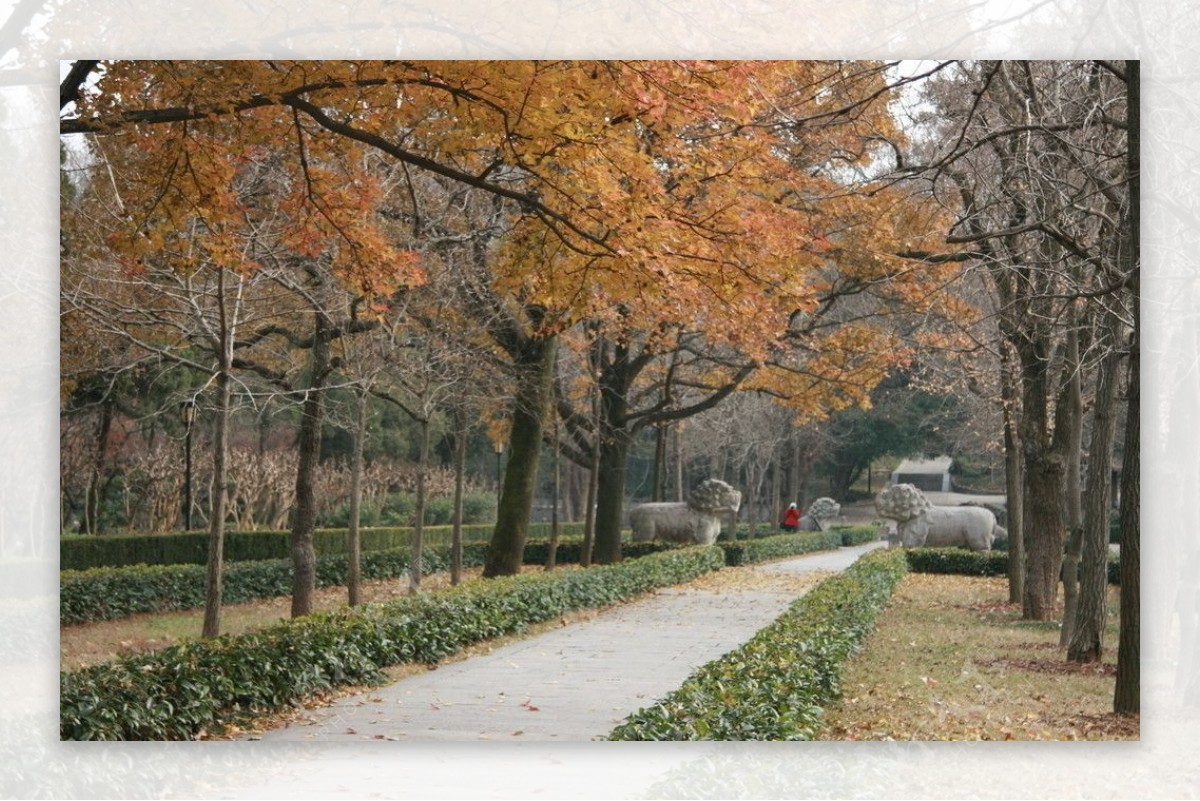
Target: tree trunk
x=1044 y=471
x=589 y=524
x=535 y=373
x=1127 y=696
x=1072 y=555
x=610 y=496
x=94 y=495
x=753 y=490
x=213 y=589
x=354 y=544
x=1086 y=643
x=1073 y=501
x=552 y=551
x=677 y=441
x=660 y=464
x=415 y=566
x=304 y=521
x=460 y=469
x=1013 y=478
x=214 y=569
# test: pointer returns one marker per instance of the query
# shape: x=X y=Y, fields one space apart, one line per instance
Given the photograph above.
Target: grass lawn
x=951 y=659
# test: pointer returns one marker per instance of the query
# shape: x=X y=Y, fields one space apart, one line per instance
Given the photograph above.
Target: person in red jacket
x=791 y=518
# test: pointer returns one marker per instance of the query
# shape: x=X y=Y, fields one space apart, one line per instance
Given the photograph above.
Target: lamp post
x=187 y=413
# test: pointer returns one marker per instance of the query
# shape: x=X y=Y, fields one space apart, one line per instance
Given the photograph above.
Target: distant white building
x=929 y=475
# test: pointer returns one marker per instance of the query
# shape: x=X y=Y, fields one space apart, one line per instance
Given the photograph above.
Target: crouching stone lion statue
x=696 y=522
x=921 y=524
x=820 y=514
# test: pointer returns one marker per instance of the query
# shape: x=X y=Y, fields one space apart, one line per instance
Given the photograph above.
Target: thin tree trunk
x=1014 y=482
x=1072 y=556
x=752 y=488
x=589 y=525
x=214 y=569
x=93 y=497
x=552 y=551
x=1073 y=506
x=535 y=373
x=213 y=589
x=354 y=544
x=677 y=441
x=460 y=469
x=415 y=567
x=304 y=522
x=660 y=464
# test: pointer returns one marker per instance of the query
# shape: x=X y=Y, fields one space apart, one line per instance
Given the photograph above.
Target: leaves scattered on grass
x=951 y=659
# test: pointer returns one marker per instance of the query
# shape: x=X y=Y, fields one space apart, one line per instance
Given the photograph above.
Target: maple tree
x=200 y=212
x=713 y=195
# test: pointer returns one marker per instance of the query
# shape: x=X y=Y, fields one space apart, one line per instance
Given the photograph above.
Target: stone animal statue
x=819 y=513
x=696 y=522
x=921 y=524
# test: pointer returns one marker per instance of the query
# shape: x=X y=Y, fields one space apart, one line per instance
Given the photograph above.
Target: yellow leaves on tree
x=721 y=197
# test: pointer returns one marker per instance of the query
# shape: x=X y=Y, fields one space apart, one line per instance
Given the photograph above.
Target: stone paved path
x=572 y=684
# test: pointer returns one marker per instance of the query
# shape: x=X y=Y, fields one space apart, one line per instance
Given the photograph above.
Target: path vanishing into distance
x=570 y=684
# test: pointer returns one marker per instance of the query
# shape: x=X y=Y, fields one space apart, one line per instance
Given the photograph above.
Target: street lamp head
x=187 y=411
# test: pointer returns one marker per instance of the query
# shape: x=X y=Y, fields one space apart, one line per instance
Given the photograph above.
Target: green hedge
x=775 y=686
x=201 y=685
x=744 y=552
x=959 y=561
x=857 y=535
x=183 y=548
x=109 y=593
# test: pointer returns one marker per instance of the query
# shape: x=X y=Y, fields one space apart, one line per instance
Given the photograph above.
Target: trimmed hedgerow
x=857 y=535
x=775 y=686
x=109 y=593
x=959 y=561
x=191 y=548
x=744 y=552
x=181 y=690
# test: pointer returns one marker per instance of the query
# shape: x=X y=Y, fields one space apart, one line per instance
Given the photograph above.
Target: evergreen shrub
x=775 y=686
x=108 y=593
x=179 y=548
x=743 y=552
x=962 y=562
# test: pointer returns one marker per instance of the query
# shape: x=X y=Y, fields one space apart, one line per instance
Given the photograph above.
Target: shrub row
x=109 y=593
x=779 y=546
x=960 y=561
x=762 y=549
x=775 y=686
x=177 y=692
x=182 y=548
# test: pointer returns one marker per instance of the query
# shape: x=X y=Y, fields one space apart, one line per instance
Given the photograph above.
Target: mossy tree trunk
x=535 y=364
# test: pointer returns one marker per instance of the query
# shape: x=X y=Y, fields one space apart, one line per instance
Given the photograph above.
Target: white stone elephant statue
x=696 y=522
x=921 y=524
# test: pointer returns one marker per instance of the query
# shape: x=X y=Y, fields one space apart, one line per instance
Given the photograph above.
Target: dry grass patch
x=951 y=659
